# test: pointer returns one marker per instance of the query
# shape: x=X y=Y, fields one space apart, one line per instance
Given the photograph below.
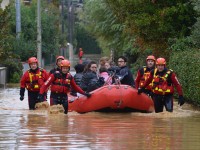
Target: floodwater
x=23 y=129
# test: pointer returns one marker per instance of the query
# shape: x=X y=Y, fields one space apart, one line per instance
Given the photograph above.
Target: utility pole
x=18 y=19
x=68 y=19
x=70 y=11
x=39 y=37
x=62 y=15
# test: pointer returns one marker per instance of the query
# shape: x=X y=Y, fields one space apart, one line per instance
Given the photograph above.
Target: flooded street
x=21 y=128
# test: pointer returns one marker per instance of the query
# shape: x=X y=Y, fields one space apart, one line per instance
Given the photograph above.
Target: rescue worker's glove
x=21 y=98
x=140 y=90
x=87 y=94
x=73 y=93
x=40 y=97
x=181 y=100
x=22 y=90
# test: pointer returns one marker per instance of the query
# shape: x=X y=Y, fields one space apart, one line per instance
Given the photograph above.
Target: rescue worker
x=52 y=71
x=80 y=55
x=58 y=63
x=60 y=86
x=163 y=82
x=143 y=74
x=124 y=73
x=32 y=80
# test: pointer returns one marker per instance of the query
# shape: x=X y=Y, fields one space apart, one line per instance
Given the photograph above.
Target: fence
x=3 y=77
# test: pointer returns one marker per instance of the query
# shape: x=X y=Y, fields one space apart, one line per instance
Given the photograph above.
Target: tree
x=13 y=50
x=155 y=22
x=25 y=47
x=147 y=24
x=99 y=20
x=196 y=28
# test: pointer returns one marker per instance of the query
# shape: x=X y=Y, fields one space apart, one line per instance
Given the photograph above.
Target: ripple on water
x=21 y=128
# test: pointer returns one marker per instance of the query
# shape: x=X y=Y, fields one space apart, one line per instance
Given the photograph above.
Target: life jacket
x=162 y=84
x=61 y=84
x=32 y=84
x=145 y=75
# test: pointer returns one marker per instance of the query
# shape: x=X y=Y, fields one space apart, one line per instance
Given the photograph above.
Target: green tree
x=140 y=24
x=98 y=19
x=26 y=46
x=7 y=57
x=155 y=21
x=82 y=38
x=195 y=36
x=13 y=50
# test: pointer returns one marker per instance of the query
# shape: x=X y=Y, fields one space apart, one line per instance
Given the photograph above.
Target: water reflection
x=21 y=128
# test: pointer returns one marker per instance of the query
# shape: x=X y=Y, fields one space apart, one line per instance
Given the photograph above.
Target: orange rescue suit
x=142 y=75
x=163 y=82
x=33 y=80
x=61 y=85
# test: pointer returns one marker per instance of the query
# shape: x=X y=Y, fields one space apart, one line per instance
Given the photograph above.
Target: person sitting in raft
x=90 y=81
x=104 y=73
x=79 y=68
x=126 y=77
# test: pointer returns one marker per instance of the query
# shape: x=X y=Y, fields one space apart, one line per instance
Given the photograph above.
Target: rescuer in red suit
x=58 y=63
x=80 y=55
x=52 y=71
x=163 y=82
x=143 y=74
x=32 y=80
x=61 y=83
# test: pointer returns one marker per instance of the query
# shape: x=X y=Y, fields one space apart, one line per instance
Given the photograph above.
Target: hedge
x=186 y=66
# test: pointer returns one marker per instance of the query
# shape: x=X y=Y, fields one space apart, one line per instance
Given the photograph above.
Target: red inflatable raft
x=112 y=98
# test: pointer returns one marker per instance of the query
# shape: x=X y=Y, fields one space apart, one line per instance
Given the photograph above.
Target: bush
x=186 y=66
x=14 y=70
x=15 y=78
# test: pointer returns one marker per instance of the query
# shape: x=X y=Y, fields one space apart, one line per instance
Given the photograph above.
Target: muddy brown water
x=23 y=129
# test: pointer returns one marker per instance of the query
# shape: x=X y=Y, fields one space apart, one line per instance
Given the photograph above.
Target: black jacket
x=90 y=81
x=127 y=76
x=78 y=78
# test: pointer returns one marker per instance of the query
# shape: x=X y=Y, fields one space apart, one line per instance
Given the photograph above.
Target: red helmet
x=161 y=61
x=32 y=60
x=151 y=57
x=65 y=63
x=60 y=57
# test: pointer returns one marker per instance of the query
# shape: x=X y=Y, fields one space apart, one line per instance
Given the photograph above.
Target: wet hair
x=124 y=58
x=103 y=69
x=103 y=60
x=86 y=62
x=87 y=68
x=79 y=68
